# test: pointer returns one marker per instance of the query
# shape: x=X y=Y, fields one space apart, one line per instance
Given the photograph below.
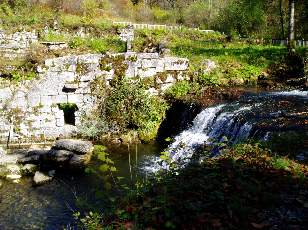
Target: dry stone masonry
x=17 y=44
x=33 y=110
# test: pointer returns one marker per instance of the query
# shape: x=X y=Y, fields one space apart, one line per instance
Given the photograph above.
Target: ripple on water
x=25 y=207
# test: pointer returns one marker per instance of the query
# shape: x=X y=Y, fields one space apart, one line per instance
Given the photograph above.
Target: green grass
x=238 y=62
x=111 y=43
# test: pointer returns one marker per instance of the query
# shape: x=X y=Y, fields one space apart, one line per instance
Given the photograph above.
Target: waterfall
x=184 y=144
x=212 y=124
x=253 y=116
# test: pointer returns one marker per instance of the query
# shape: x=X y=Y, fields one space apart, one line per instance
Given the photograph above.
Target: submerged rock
x=41 y=178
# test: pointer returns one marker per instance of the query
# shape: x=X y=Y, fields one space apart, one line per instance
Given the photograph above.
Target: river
x=260 y=116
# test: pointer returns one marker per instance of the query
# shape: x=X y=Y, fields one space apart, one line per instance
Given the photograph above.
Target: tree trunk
x=291 y=23
x=281 y=20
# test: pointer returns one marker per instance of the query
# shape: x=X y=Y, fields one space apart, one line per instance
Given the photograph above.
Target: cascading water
x=253 y=116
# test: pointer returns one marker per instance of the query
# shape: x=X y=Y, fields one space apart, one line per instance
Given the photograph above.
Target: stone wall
x=30 y=109
x=17 y=44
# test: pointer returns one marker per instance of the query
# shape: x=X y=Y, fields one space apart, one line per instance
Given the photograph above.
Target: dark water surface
x=51 y=206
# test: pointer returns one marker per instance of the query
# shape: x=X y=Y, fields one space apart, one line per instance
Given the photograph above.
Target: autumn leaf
x=259 y=226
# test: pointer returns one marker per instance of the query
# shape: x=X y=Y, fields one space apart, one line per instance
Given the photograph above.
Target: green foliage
x=281 y=163
x=131 y=108
x=100 y=45
x=68 y=106
x=92 y=126
x=103 y=157
x=105 y=169
x=161 y=15
x=89 y=7
x=19 y=69
x=242 y=18
x=179 y=89
x=91 y=221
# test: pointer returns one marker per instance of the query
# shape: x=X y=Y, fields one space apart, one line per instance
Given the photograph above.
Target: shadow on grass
x=231 y=192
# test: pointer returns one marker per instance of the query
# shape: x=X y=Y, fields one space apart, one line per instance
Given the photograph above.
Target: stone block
x=74 y=98
x=153 y=91
x=60 y=122
x=33 y=100
x=58 y=99
x=160 y=67
x=149 y=63
x=166 y=86
x=93 y=67
x=84 y=90
x=147 y=55
x=88 y=77
x=59 y=114
x=88 y=99
x=170 y=79
x=150 y=72
x=68 y=76
x=131 y=70
x=71 y=86
x=175 y=64
x=5 y=93
x=46 y=101
x=89 y=58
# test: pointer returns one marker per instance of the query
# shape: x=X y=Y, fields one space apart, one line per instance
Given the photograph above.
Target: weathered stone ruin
x=51 y=105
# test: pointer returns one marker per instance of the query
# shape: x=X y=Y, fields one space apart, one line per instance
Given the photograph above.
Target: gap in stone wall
x=69 y=110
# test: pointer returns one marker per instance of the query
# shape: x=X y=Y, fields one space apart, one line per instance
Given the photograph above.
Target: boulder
x=13 y=173
x=41 y=178
x=79 y=161
x=59 y=155
x=77 y=146
x=35 y=159
x=28 y=169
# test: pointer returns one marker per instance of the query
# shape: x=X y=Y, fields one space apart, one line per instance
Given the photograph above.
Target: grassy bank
x=246 y=187
x=238 y=62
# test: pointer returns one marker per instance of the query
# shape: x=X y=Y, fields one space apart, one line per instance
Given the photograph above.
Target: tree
x=281 y=18
x=291 y=36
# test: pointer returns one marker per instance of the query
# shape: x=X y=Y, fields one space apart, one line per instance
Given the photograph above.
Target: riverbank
x=225 y=186
x=246 y=187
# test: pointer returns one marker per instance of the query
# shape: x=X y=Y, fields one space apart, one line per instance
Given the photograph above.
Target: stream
x=261 y=116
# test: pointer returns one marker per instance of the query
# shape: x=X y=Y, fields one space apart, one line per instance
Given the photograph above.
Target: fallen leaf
x=258 y=226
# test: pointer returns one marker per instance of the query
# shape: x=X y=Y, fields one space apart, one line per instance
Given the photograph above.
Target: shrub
x=93 y=126
x=89 y=7
x=132 y=108
x=179 y=89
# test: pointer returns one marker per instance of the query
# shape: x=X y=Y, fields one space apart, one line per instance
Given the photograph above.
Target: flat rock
x=35 y=159
x=13 y=176
x=7 y=158
x=60 y=155
x=41 y=178
x=77 y=146
x=37 y=153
